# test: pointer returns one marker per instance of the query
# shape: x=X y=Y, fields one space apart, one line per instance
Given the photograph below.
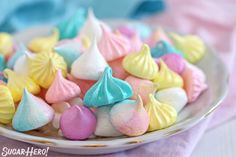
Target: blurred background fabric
x=20 y=14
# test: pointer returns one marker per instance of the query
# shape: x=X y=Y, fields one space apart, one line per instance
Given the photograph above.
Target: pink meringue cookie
x=156 y=36
x=130 y=117
x=194 y=82
x=62 y=90
x=83 y=84
x=113 y=46
x=117 y=68
x=136 y=43
x=141 y=87
x=77 y=123
x=126 y=30
x=174 y=61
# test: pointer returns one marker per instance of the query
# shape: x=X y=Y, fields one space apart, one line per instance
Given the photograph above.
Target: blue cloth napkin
x=20 y=14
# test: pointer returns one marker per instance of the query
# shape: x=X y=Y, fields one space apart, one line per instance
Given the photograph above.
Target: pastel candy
x=84 y=85
x=113 y=46
x=162 y=47
x=91 y=28
x=44 y=66
x=129 y=117
x=20 y=50
x=161 y=115
x=194 y=82
x=7 y=106
x=70 y=51
x=60 y=107
x=174 y=62
x=158 y=35
x=142 y=29
x=77 y=123
x=76 y=101
x=16 y=84
x=166 y=78
x=126 y=31
x=2 y=63
x=141 y=64
x=176 y=97
x=89 y=65
x=117 y=68
x=61 y=90
x=70 y=27
x=6 y=44
x=104 y=127
x=141 y=87
x=44 y=44
x=192 y=46
x=107 y=90
x=21 y=65
x=32 y=113
x=136 y=43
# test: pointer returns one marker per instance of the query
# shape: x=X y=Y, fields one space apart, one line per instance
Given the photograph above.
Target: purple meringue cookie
x=174 y=61
x=78 y=123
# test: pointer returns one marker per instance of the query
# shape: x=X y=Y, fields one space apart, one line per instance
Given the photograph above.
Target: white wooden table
x=218 y=142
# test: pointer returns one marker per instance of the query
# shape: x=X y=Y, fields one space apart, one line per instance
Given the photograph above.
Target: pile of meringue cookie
x=87 y=78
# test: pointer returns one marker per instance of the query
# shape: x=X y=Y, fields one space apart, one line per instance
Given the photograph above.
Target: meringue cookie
x=77 y=123
x=141 y=87
x=60 y=107
x=22 y=63
x=89 y=65
x=7 y=106
x=2 y=63
x=126 y=31
x=6 y=44
x=166 y=78
x=176 y=97
x=192 y=46
x=16 y=83
x=136 y=43
x=158 y=35
x=161 y=115
x=61 y=89
x=194 y=82
x=113 y=46
x=129 y=117
x=44 y=66
x=162 y=48
x=32 y=113
x=44 y=44
x=20 y=51
x=107 y=90
x=70 y=51
x=174 y=62
x=104 y=127
x=142 y=29
x=141 y=64
x=117 y=68
x=76 y=101
x=91 y=28
x=70 y=27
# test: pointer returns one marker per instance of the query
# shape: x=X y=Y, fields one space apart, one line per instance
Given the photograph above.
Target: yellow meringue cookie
x=41 y=44
x=192 y=46
x=7 y=107
x=6 y=44
x=44 y=66
x=167 y=78
x=161 y=115
x=141 y=64
x=16 y=84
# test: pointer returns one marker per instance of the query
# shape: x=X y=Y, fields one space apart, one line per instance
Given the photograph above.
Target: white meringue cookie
x=21 y=65
x=92 y=27
x=90 y=65
x=175 y=97
x=104 y=127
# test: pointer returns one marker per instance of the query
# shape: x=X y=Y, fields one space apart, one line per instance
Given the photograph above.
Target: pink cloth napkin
x=215 y=22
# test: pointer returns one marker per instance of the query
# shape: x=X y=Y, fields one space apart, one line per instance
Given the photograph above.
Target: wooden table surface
x=218 y=142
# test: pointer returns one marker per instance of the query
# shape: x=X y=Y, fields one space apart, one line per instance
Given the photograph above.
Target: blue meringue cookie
x=107 y=90
x=69 y=51
x=70 y=27
x=2 y=63
x=162 y=48
x=19 y=52
x=32 y=113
